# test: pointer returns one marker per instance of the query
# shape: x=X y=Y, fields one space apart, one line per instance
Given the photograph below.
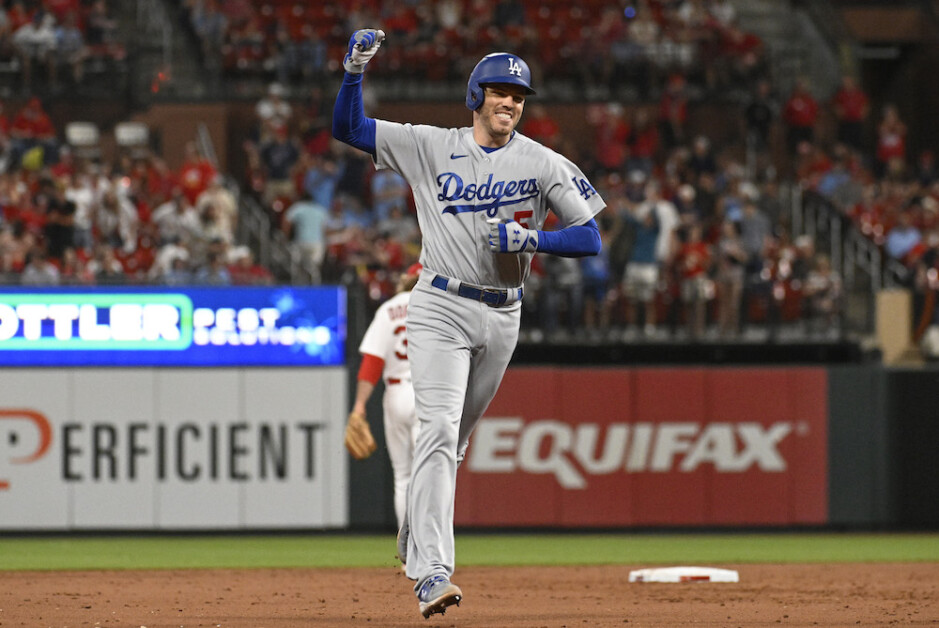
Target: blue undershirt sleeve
x=577 y=241
x=349 y=122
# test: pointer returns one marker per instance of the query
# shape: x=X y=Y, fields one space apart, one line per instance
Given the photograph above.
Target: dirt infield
x=767 y=595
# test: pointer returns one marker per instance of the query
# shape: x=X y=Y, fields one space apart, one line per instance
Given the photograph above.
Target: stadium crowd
x=588 y=43
x=696 y=243
x=49 y=44
x=68 y=220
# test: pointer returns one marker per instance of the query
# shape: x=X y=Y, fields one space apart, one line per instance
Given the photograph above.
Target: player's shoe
x=437 y=594
x=403 y=533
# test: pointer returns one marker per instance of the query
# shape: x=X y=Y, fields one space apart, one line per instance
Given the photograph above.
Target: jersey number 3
x=583 y=187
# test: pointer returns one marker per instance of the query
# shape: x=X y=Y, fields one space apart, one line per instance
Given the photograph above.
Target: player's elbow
x=595 y=243
x=592 y=241
x=342 y=130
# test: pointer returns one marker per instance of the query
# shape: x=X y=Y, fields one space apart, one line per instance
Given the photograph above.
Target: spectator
x=39 y=271
x=389 y=191
x=70 y=49
x=116 y=221
x=851 y=106
x=800 y=114
x=35 y=44
x=667 y=216
x=219 y=196
x=273 y=113
x=59 y=231
x=245 y=271
x=177 y=221
x=702 y=159
x=211 y=227
x=755 y=231
x=179 y=272
x=741 y=59
x=560 y=296
x=903 y=237
x=321 y=176
x=31 y=131
x=891 y=144
x=305 y=223
x=211 y=25
x=84 y=190
x=303 y=59
x=72 y=271
x=822 y=292
x=213 y=272
x=641 y=277
x=105 y=267
x=165 y=269
x=731 y=259
x=278 y=158
x=694 y=263
x=100 y=27
x=195 y=174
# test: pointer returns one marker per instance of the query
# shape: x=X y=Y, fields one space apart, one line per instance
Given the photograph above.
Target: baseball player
x=384 y=356
x=482 y=195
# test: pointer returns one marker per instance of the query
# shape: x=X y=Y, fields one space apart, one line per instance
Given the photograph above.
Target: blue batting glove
x=363 y=45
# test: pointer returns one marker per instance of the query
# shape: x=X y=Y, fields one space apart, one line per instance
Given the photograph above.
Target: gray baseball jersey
x=457 y=186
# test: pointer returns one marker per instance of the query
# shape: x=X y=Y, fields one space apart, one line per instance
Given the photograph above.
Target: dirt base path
x=767 y=595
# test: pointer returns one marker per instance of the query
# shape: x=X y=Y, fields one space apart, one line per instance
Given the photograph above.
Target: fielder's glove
x=362 y=47
x=511 y=237
x=359 y=439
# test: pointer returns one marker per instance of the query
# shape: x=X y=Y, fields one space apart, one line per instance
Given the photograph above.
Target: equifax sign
x=574 y=453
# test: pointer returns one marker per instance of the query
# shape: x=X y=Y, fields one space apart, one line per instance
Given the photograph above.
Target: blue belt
x=489 y=296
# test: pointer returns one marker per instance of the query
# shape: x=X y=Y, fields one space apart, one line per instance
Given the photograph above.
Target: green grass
x=347 y=550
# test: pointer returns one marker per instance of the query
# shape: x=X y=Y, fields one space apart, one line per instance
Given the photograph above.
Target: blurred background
x=769 y=168
x=786 y=149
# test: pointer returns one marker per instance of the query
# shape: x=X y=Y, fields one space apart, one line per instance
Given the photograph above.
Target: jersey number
x=401 y=351
x=583 y=186
x=520 y=217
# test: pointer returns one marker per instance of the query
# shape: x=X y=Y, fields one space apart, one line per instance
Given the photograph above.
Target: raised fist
x=363 y=45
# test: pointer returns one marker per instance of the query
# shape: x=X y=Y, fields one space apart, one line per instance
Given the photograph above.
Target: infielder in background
x=482 y=193
x=384 y=355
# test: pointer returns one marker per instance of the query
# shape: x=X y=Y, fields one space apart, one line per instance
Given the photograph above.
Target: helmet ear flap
x=474 y=97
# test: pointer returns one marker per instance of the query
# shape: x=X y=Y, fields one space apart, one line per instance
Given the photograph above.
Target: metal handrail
x=272 y=247
x=853 y=255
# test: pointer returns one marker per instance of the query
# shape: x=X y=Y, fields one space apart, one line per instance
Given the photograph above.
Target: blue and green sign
x=276 y=326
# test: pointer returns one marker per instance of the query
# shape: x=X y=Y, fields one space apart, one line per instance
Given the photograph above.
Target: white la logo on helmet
x=514 y=67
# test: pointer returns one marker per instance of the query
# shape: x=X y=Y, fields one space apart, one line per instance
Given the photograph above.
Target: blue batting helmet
x=498 y=67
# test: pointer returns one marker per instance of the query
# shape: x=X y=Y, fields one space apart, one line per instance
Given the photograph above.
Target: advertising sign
x=144 y=326
x=158 y=449
x=650 y=447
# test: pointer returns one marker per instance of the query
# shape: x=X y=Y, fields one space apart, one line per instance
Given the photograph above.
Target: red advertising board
x=650 y=447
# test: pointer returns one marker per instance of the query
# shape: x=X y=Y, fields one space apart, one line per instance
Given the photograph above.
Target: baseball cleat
x=437 y=594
